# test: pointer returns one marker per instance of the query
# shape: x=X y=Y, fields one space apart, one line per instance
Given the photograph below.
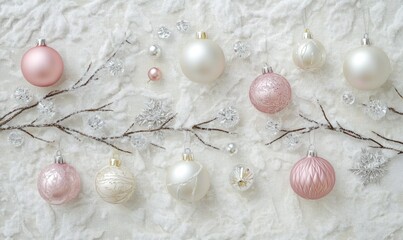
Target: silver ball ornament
x=309 y=54
x=202 y=60
x=154 y=51
x=367 y=67
x=115 y=183
x=187 y=180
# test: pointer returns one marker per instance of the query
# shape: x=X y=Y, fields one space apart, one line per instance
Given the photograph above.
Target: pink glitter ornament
x=312 y=177
x=59 y=182
x=154 y=74
x=270 y=92
x=42 y=66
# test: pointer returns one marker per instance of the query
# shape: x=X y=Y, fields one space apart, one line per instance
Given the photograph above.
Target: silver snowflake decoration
x=371 y=166
x=376 y=109
x=273 y=126
x=23 y=95
x=156 y=113
x=139 y=141
x=182 y=26
x=115 y=67
x=163 y=32
x=15 y=139
x=46 y=108
x=242 y=49
x=348 y=98
x=228 y=117
x=96 y=122
x=292 y=141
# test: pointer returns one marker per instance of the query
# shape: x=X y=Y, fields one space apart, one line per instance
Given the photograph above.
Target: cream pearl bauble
x=367 y=67
x=187 y=180
x=202 y=60
x=114 y=183
x=309 y=54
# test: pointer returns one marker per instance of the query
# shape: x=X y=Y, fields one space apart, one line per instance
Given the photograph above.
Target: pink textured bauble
x=312 y=177
x=270 y=93
x=42 y=66
x=154 y=74
x=59 y=183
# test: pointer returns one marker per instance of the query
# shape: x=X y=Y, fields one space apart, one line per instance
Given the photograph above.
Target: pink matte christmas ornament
x=42 y=66
x=312 y=177
x=270 y=92
x=59 y=182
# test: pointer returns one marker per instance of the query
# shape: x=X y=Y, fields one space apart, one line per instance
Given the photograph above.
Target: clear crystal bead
x=376 y=109
x=242 y=49
x=292 y=141
x=182 y=26
x=273 y=126
x=228 y=117
x=96 y=122
x=23 y=95
x=139 y=141
x=348 y=98
x=115 y=67
x=241 y=177
x=46 y=108
x=163 y=33
x=15 y=138
x=231 y=148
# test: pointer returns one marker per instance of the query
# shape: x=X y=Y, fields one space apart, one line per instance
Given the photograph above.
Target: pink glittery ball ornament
x=59 y=182
x=270 y=92
x=312 y=177
x=42 y=66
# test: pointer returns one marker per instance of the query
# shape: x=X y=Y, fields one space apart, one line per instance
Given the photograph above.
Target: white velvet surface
x=89 y=31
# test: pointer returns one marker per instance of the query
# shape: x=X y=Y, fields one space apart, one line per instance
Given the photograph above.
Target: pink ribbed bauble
x=42 y=66
x=59 y=183
x=270 y=92
x=312 y=177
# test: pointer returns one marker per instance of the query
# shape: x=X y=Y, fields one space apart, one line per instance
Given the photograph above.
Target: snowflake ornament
x=371 y=166
x=156 y=113
x=376 y=109
x=228 y=117
x=140 y=142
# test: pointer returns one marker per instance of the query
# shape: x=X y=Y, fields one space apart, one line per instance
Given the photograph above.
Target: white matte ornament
x=114 y=183
x=187 y=180
x=202 y=60
x=309 y=54
x=367 y=67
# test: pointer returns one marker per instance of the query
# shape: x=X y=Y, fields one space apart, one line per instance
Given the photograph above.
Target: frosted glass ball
x=115 y=184
x=59 y=183
x=202 y=60
x=187 y=181
x=309 y=54
x=367 y=67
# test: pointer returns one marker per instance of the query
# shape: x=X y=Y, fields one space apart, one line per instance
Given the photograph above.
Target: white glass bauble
x=309 y=54
x=187 y=180
x=114 y=183
x=202 y=60
x=367 y=67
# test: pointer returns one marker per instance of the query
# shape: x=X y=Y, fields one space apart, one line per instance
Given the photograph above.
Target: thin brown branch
x=388 y=139
x=325 y=116
x=99 y=109
x=35 y=137
x=398 y=93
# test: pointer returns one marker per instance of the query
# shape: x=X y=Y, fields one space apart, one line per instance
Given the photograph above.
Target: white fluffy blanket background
x=89 y=31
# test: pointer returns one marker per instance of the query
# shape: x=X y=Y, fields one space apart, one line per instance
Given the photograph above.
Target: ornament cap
x=312 y=153
x=201 y=35
x=41 y=42
x=365 y=40
x=266 y=69
x=115 y=162
x=187 y=155
x=307 y=34
x=59 y=157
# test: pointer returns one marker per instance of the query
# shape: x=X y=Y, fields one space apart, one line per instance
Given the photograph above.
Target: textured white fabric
x=89 y=31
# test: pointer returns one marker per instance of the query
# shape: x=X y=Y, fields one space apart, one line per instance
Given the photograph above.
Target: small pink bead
x=59 y=183
x=270 y=93
x=154 y=74
x=42 y=66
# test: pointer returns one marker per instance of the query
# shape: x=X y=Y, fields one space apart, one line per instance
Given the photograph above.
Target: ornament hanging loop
x=266 y=69
x=311 y=148
x=59 y=157
x=187 y=155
